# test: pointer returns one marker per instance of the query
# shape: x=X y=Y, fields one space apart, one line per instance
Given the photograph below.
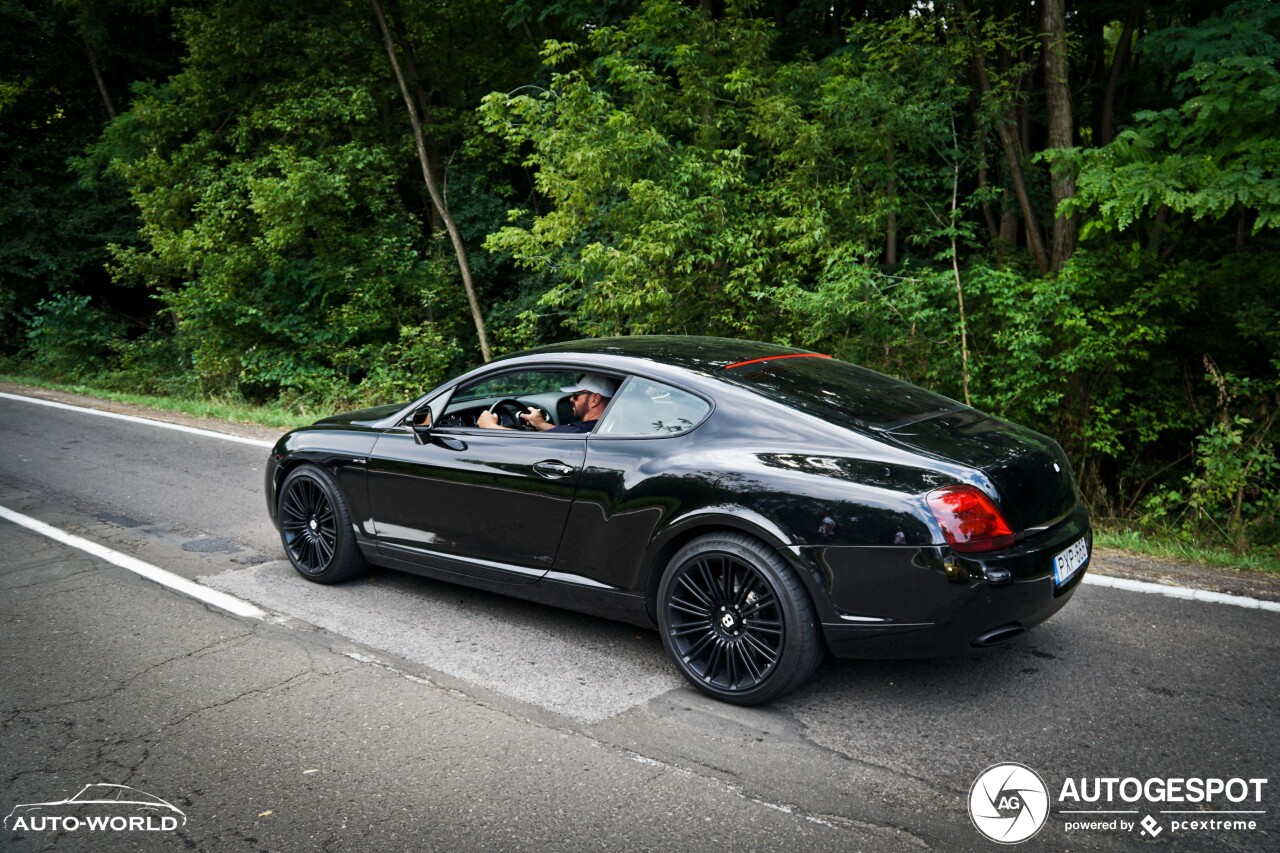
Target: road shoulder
x=212 y=424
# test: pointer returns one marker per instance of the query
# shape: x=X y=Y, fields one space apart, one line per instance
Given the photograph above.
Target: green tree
x=695 y=183
x=1215 y=154
x=282 y=227
x=1189 y=195
x=64 y=70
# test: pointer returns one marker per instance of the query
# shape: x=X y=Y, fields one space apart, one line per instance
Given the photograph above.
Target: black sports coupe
x=757 y=504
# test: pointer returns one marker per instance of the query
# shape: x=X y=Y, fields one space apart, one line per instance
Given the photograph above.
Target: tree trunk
x=409 y=64
x=1119 y=63
x=97 y=75
x=1009 y=227
x=1061 y=129
x=433 y=188
x=955 y=271
x=1158 y=228
x=1012 y=151
x=984 y=180
x=891 y=226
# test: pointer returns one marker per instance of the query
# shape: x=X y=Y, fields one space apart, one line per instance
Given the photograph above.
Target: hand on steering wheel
x=515 y=411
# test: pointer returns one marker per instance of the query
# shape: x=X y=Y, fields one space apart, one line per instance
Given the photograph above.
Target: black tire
x=315 y=527
x=737 y=621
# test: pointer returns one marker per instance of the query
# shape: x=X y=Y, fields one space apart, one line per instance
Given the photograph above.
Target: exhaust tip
x=996 y=636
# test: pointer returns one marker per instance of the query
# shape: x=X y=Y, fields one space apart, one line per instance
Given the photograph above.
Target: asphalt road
x=397 y=713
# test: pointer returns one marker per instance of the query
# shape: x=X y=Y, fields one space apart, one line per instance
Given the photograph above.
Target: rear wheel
x=737 y=620
x=315 y=527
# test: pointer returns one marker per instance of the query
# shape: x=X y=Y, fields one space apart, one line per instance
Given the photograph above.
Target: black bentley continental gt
x=757 y=504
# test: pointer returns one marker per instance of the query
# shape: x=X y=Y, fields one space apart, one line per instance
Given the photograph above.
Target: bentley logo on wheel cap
x=727 y=620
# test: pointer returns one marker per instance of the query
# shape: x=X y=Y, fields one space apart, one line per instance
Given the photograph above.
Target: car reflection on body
x=759 y=505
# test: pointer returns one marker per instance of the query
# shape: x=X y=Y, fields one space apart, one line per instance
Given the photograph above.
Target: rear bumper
x=925 y=602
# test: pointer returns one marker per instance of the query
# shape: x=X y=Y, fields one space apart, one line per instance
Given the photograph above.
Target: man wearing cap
x=590 y=395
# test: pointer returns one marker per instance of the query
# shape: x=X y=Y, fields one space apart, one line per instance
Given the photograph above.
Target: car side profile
x=758 y=505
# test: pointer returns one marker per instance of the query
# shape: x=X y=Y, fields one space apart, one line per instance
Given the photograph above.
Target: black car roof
x=702 y=354
x=837 y=392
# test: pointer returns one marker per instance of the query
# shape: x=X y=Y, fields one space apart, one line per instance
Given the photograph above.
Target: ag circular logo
x=1008 y=803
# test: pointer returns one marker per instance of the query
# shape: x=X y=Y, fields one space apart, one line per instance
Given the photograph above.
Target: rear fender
x=710 y=519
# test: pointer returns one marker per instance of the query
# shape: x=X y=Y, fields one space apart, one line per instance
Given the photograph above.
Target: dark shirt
x=574 y=426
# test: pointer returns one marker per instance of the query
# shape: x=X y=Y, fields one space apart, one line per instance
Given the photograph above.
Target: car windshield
x=841 y=393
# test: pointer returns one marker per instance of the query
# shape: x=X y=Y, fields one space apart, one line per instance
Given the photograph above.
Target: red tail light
x=969 y=519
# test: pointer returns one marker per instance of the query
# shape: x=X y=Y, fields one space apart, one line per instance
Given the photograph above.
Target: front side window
x=508 y=395
x=645 y=407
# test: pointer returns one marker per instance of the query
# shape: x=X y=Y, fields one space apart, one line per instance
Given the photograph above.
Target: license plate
x=1066 y=564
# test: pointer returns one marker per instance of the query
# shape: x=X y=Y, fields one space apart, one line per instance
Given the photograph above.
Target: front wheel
x=315 y=527
x=737 y=620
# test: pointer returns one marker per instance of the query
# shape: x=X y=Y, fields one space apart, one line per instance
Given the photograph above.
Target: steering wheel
x=510 y=409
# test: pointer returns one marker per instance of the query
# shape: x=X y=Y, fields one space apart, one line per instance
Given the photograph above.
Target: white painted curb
x=1181 y=592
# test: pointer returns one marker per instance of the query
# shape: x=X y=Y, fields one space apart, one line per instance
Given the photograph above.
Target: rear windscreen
x=841 y=393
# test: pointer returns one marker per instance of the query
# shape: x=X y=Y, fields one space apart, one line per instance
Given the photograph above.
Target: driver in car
x=590 y=395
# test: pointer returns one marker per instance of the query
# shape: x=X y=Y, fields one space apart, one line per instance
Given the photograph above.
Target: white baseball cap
x=594 y=383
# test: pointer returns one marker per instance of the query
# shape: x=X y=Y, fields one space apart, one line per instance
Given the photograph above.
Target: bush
x=1232 y=495
x=68 y=338
x=153 y=363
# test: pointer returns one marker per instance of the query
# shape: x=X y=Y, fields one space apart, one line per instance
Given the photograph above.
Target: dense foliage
x=1067 y=214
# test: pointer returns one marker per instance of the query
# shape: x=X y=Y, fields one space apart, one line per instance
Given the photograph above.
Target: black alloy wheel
x=737 y=621
x=315 y=527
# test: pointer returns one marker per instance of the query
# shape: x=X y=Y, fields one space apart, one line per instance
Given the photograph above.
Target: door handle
x=553 y=469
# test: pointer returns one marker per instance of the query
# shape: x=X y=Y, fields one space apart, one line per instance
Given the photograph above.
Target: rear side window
x=645 y=407
x=841 y=393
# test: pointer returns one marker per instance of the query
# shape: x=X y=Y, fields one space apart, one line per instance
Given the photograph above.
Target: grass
x=1167 y=547
x=235 y=411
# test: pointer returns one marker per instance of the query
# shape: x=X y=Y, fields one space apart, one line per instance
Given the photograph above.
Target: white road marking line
x=165 y=578
x=1182 y=592
x=208 y=433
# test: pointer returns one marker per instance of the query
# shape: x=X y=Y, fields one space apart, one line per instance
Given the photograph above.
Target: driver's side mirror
x=421 y=421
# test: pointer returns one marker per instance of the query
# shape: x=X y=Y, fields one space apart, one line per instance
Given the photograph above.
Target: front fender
x=342 y=451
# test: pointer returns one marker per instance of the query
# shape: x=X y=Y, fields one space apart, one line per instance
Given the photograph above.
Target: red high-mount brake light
x=969 y=519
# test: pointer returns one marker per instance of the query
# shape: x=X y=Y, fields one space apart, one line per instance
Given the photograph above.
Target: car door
x=642 y=460
x=485 y=502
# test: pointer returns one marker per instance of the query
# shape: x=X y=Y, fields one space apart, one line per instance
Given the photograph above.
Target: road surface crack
x=239 y=697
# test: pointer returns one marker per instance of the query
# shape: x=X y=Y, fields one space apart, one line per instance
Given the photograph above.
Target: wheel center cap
x=730 y=620
x=314 y=524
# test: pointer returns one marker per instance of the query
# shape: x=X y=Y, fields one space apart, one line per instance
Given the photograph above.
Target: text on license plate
x=1066 y=564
